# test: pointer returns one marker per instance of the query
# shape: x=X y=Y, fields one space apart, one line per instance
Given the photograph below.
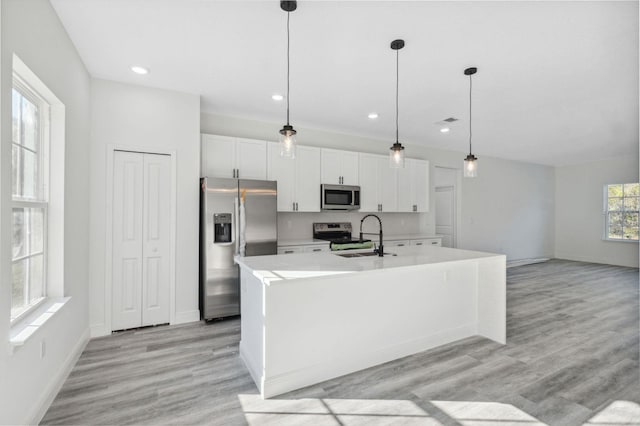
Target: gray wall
x=32 y=30
x=508 y=209
x=579 y=211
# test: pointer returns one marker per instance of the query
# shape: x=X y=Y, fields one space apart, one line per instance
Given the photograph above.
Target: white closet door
x=127 y=240
x=156 y=249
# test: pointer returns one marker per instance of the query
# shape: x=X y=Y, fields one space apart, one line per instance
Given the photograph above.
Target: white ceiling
x=557 y=82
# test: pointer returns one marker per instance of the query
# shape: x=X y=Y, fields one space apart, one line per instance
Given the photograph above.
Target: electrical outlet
x=43 y=349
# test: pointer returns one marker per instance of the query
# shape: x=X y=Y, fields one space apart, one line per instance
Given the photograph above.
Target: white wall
x=507 y=209
x=146 y=119
x=31 y=30
x=579 y=211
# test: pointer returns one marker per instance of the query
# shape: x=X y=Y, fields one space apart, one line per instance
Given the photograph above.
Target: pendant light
x=287 y=133
x=396 y=155
x=471 y=162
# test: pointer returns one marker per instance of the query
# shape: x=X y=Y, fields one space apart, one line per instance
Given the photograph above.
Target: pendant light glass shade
x=470 y=169
x=396 y=153
x=287 y=137
x=470 y=166
x=396 y=156
x=288 y=142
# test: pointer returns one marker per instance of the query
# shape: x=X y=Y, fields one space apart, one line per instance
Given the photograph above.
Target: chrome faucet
x=380 y=249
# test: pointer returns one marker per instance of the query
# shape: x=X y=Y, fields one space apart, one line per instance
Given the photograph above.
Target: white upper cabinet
x=384 y=189
x=420 y=179
x=298 y=179
x=339 y=167
x=413 y=186
x=378 y=184
x=224 y=156
x=368 y=170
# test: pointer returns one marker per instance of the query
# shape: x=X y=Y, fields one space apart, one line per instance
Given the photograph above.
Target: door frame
x=457 y=188
x=108 y=288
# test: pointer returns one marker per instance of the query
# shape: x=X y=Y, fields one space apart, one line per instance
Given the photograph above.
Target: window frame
x=606 y=214
x=41 y=201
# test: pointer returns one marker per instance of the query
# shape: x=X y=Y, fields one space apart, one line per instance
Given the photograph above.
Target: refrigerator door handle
x=236 y=224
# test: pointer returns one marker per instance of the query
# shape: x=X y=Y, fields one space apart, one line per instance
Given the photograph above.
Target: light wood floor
x=571 y=358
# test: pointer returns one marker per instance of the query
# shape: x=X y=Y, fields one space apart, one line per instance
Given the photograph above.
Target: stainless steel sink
x=366 y=254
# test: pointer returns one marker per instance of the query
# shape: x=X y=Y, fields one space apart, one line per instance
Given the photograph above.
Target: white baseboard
x=187 y=316
x=311 y=374
x=522 y=262
x=58 y=380
x=588 y=259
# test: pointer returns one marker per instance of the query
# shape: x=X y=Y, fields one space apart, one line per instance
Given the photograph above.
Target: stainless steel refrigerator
x=229 y=225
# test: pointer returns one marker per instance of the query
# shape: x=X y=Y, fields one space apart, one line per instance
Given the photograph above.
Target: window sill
x=615 y=240
x=25 y=328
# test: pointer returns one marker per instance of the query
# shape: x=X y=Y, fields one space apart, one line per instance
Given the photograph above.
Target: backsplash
x=293 y=226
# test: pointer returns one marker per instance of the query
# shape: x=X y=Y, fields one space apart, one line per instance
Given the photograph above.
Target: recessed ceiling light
x=444 y=130
x=139 y=70
x=373 y=115
x=277 y=97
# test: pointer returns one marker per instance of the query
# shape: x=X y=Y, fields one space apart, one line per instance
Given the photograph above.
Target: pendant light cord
x=397 y=88
x=288 y=15
x=470 y=87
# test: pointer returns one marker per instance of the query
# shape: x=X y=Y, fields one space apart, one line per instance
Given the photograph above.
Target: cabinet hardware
x=434 y=243
x=237 y=173
x=288 y=251
x=418 y=244
x=296 y=206
x=400 y=245
x=317 y=249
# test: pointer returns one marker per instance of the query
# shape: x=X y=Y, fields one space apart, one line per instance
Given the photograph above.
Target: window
x=30 y=143
x=621 y=207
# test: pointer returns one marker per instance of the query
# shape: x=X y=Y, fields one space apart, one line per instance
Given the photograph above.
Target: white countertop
x=312 y=241
x=270 y=269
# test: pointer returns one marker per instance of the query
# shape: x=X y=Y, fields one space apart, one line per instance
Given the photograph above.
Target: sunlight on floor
x=313 y=411
x=618 y=413
x=472 y=413
x=350 y=412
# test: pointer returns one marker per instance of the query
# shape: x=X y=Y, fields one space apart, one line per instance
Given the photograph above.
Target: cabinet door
x=349 y=168
x=368 y=171
x=251 y=159
x=331 y=166
x=218 y=156
x=421 y=188
x=307 y=179
x=405 y=187
x=282 y=170
x=387 y=185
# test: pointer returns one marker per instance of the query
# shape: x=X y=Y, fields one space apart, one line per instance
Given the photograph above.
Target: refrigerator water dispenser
x=222 y=227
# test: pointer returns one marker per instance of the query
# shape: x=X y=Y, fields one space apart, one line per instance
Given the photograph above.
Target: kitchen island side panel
x=322 y=328
x=252 y=324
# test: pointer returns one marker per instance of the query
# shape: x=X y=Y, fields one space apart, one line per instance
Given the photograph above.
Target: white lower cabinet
x=401 y=243
x=311 y=248
x=290 y=249
x=427 y=242
x=298 y=179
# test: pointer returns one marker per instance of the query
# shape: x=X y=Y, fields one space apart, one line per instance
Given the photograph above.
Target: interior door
x=446 y=214
x=141 y=239
x=156 y=249
x=127 y=240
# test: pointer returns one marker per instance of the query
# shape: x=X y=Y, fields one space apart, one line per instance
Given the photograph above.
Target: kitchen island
x=310 y=317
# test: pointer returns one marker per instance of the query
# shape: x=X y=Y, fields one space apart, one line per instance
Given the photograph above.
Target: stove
x=339 y=233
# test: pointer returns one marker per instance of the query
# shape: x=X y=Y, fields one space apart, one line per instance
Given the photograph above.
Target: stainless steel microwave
x=339 y=197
